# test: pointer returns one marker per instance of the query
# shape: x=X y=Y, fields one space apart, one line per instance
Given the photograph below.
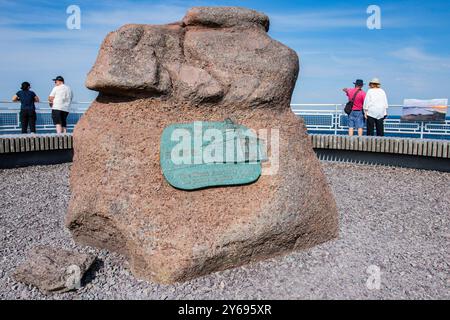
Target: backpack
x=349 y=106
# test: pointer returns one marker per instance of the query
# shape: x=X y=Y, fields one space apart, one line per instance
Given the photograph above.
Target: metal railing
x=319 y=118
x=10 y=117
x=331 y=119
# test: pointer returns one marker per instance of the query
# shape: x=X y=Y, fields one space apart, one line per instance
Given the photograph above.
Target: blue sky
x=410 y=54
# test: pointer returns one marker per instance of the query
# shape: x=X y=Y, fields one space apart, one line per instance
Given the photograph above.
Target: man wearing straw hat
x=375 y=108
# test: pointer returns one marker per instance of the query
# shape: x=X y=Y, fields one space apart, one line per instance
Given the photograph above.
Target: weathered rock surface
x=53 y=270
x=214 y=55
x=224 y=17
x=218 y=63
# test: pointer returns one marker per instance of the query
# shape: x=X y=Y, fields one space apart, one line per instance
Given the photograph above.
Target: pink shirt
x=359 y=100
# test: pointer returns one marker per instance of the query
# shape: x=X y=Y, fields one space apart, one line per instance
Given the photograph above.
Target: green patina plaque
x=206 y=154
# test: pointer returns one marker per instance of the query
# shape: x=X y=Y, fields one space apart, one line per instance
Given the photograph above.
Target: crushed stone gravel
x=393 y=220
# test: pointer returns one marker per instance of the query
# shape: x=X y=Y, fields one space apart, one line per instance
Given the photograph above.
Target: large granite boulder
x=218 y=63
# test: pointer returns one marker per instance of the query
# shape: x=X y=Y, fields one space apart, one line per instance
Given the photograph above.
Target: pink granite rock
x=217 y=63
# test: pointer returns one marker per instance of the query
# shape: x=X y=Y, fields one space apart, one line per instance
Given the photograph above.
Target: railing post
x=336 y=120
x=421 y=129
x=19 y=125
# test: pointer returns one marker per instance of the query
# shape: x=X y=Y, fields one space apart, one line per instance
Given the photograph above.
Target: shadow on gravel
x=90 y=275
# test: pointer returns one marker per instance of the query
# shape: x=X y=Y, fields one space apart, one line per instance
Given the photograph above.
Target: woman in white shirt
x=375 y=108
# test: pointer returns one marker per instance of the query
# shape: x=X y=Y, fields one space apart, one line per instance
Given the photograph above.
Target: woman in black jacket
x=27 y=100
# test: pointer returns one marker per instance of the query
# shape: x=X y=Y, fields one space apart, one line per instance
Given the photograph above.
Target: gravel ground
x=393 y=219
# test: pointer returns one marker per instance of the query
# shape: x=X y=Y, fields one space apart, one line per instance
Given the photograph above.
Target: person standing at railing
x=375 y=108
x=27 y=100
x=356 y=117
x=60 y=100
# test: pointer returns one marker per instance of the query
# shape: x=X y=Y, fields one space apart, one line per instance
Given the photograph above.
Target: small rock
x=53 y=270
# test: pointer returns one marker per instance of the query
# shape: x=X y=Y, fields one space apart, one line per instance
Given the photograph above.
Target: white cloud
x=420 y=59
x=114 y=16
x=331 y=19
x=40 y=45
x=319 y=19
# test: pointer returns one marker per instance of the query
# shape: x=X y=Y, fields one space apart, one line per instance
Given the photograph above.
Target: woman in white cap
x=375 y=108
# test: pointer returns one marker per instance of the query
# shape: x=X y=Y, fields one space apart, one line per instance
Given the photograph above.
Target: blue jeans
x=356 y=120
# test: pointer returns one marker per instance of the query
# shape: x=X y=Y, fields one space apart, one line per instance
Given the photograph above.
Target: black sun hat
x=59 y=78
x=359 y=83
